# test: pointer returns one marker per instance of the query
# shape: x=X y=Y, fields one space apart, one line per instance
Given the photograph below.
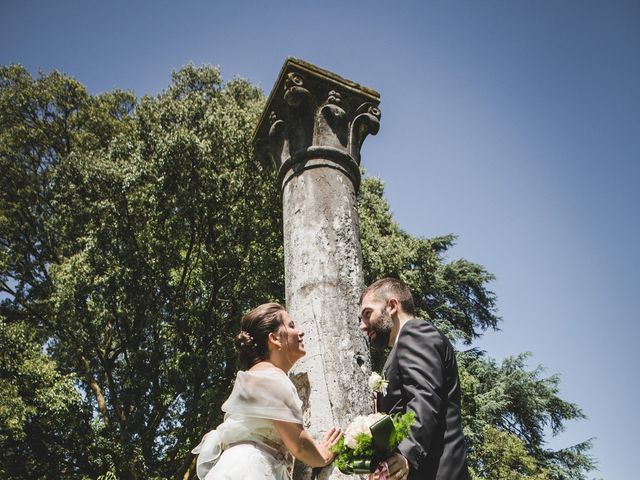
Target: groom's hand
x=398 y=468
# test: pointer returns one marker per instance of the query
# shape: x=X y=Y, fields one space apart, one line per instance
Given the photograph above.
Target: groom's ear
x=393 y=305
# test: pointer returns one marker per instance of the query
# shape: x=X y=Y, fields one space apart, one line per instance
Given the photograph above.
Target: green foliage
x=506 y=409
x=133 y=235
x=401 y=425
x=108 y=476
x=518 y=401
x=504 y=456
x=41 y=411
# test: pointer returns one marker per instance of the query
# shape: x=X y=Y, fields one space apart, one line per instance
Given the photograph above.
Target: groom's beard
x=382 y=329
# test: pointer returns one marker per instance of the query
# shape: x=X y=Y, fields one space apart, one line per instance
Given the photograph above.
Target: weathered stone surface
x=312 y=129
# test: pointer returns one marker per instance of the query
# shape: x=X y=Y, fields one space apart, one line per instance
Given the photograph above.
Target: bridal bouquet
x=369 y=440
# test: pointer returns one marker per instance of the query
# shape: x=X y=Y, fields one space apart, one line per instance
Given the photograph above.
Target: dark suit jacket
x=423 y=377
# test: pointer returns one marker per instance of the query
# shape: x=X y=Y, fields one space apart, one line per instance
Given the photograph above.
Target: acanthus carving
x=367 y=121
x=332 y=123
x=299 y=111
x=278 y=138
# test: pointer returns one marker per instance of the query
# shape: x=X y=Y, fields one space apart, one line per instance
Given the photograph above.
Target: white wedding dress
x=247 y=446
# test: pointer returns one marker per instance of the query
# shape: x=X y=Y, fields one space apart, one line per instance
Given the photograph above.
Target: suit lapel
x=386 y=402
x=392 y=355
x=388 y=362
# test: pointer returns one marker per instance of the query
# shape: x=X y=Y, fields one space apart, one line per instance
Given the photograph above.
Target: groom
x=423 y=377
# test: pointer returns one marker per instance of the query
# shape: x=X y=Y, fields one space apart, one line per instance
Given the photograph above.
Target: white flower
x=378 y=384
x=360 y=425
x=355 y=428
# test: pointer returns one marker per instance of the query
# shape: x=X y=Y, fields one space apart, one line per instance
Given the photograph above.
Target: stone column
x=312 y=129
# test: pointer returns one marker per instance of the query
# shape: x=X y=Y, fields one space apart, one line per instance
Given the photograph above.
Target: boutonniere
x=378 y=384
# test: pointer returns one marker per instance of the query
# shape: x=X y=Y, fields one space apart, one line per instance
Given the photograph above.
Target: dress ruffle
x=258 y=398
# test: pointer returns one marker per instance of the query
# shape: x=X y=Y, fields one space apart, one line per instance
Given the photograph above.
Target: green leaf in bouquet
x=382 y=436
x=402 y=424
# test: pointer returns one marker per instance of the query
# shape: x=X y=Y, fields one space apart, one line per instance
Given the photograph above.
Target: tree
x=133 y=235
x=505 y=408
x=41 y=412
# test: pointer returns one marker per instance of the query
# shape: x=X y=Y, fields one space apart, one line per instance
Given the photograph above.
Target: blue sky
x=515 y=125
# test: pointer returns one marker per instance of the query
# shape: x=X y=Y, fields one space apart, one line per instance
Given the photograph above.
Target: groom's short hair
x=385 y=288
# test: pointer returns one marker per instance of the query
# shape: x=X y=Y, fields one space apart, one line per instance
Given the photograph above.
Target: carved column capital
x=314 y=118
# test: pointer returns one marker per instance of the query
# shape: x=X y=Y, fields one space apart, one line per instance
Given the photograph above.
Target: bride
x=262 y=425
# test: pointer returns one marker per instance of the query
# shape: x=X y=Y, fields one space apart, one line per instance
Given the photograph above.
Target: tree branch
x=95 y=388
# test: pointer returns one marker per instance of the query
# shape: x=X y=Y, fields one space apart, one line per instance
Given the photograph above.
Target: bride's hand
x=331 y=437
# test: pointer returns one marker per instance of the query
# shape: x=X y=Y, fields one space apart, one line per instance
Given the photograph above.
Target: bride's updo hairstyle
x=255 y=328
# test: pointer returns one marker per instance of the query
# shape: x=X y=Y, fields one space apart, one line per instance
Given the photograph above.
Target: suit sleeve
x=420 y=354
